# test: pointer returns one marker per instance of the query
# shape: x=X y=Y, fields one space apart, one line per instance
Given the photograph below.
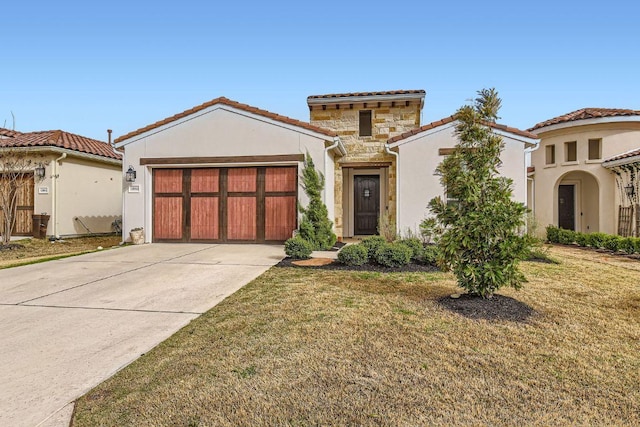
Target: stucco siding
x=418 y=160
x=221 y=132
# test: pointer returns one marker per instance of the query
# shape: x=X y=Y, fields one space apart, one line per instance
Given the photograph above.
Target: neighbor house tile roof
x=234 y=104
x=347 y=95
x=60 y=139
x=587 y=113
x=8 y=132
x=626 y=155
x=451 y=119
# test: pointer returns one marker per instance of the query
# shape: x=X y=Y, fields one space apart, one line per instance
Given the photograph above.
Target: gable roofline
x=358 y=97
x=230 y=105
x=69 y=152
x=587 y=116
x=62 y=140
x=628 y=157
x=530 y=139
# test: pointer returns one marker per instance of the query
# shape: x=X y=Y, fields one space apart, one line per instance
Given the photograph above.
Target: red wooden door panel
x=281 y=179
x=204 y=218
x=242 y=180
x=167 y=221
x=241 y=218
x=205 y=180
x=168 y=181
x=280 y=217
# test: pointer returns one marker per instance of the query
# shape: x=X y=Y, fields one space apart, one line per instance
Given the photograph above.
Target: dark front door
x=566 y=207
x=367 y=203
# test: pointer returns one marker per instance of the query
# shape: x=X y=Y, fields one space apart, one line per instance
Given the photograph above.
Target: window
x=550 y=154
x=595 y=149
x=570 y=151
x=365 y=123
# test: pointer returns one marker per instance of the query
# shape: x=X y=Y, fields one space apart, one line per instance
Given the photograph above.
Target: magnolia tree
x=16 y=172
x=481 y=242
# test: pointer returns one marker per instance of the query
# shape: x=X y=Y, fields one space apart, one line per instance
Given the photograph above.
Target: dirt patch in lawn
x=36 y=250
x=498 y=307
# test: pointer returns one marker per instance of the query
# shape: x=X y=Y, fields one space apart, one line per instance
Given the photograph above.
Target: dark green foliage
x=628 y=245
x=416 y=246
x=596 y=240
x=613 y=243
x=372 y=243
x=298 y=248
x=430 y=255
x=393 y=255
x=566 y=237
x=481 y=242
x=582 y=239
x=553 y=234
x=353 y=255
x=315 y=227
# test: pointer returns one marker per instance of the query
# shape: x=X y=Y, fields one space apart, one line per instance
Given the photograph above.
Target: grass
x=42 y=250
x=303 y=347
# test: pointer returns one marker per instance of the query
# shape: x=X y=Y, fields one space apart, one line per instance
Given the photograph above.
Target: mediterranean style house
x=225 y=171
x=80 y=187
x=585 y=173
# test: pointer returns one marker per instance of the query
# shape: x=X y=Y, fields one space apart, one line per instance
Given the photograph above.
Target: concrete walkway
x=68 y=325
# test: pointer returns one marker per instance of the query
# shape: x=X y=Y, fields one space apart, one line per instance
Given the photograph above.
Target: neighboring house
x=583 y=172
x=390 y=163
x=81 y=190
x=228 y=172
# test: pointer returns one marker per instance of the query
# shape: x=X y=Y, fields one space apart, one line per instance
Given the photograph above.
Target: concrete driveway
x=68 y=325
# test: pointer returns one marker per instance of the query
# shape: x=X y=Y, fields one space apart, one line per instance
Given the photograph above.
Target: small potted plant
x=137 y=235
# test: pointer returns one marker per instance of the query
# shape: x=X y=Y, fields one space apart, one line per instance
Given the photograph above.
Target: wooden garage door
x=24 y=212
x=251 y=204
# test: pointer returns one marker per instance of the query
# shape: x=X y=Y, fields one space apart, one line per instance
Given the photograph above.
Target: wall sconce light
x=40 y=171
x=130 y=175
x=630 y=189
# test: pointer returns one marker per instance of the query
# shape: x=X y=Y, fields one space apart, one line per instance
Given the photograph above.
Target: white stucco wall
x=418 y=160
x=79 y=188
x=617 y=137
x=221 y=131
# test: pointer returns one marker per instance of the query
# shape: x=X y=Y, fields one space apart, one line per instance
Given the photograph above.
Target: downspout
x=336 y=142
x=533 y=180
x=56 y=176
x=388 y=150
x=109 y=131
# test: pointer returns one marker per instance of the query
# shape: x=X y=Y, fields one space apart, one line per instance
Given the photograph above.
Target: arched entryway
x=577 y=202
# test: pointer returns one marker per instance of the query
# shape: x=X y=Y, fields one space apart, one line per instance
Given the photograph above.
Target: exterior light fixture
x=630 y=189
x=40 y=171
x=130 y=175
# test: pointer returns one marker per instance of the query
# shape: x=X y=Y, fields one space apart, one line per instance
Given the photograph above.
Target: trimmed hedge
x=298 y=248
x=373 y=243
x=354 y=255
x=629 y=245
x=393 y=255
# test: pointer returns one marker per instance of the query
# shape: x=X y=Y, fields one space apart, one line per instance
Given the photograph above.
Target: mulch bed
x=498 y=307
x=409 y=268
x=11 y=247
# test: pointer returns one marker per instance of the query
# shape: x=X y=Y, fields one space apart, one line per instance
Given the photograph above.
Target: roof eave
x=366 y=98
x=586 y=122
x=73 y=153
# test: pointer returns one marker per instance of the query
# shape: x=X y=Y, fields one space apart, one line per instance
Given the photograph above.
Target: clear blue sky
x=88 y=66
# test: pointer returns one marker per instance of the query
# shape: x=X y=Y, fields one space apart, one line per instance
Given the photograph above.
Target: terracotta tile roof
x=346 y=95
x=450 y=119
x=587 y=113
x=531 y=169
x=60 y=139
x=626 y=155
x=234 y=104
x=8 y=132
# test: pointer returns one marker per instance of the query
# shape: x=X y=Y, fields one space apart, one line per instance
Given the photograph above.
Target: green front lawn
x=307 y=347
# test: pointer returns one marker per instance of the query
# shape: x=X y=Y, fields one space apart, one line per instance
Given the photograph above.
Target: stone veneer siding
x=387 y=121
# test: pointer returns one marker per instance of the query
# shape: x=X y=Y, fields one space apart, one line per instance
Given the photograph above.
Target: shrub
x=416 y=246
x=613 y=243
x=298 y=248
x=353 y=255
x=372 y=243
x=393 y=255
x=596 y=240
x=430 y=230
x=430 y=255
x=628 y=245
x=637 y=244
x=566 y=237
x=315 y=226
x=553 y=234
x=582 y=239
